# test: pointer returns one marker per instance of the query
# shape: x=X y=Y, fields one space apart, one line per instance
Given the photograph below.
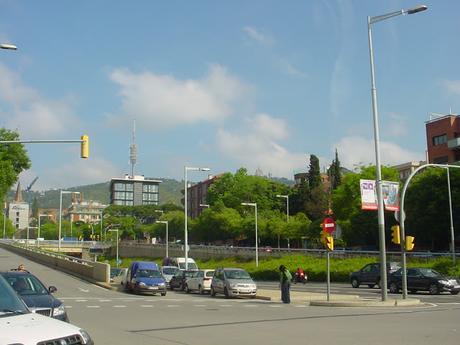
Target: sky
x=260 y=84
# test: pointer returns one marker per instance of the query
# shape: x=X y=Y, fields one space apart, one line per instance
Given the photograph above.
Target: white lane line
x=119 y=306
x=83 y=290
x=200 y=305
x=225 y=305
x=274 y=306
x=300 y=306
x=81 y=300
x=93 y=306
x=147 y=306
x=105 y=300
x=171 y=299
x=172 y=305
x=68 y=307
x=440 y=303
x=99 y=287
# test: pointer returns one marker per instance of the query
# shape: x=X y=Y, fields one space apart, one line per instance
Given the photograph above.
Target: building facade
x=408 y=168
x=89 y=212
x=18 y=211
x=443 y=139
x=134 y=190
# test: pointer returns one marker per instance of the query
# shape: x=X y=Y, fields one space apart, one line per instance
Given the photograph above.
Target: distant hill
x=170 y=192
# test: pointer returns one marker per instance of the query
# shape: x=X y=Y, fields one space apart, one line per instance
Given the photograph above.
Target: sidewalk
x=336 y=300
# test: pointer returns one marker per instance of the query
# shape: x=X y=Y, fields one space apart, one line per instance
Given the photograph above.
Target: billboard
x=390 y=192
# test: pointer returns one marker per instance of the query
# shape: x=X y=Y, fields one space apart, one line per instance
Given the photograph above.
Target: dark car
x=370 y=274
x=425 y=279
x=36 y=296
x=178 y=280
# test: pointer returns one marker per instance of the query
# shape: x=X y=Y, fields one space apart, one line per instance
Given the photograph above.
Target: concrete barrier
x=96 y=272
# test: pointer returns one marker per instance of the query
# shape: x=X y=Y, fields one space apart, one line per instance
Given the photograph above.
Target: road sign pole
x=328 y=269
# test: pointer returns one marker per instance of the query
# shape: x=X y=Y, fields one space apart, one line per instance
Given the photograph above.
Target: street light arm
x=412 y=10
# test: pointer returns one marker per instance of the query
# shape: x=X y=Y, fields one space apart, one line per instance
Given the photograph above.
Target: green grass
x=315 y=267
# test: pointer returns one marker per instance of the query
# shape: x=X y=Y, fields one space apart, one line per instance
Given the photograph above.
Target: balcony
x=454 y=143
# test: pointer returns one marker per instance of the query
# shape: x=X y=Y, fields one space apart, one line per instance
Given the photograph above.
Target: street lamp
x=167 y=235
x=185 y=209
x=8 y=46
x=117 y=242
x=60 y=214
x=27 y=239
x=4 y=220
x=380 y=206
x=253 y=204
x=452 y=233
x=287 y=216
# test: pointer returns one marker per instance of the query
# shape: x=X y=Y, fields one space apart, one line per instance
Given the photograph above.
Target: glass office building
x=133 y=191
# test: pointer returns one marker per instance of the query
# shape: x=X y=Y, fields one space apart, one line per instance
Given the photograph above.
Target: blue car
x=145 y=277
x=36 y=296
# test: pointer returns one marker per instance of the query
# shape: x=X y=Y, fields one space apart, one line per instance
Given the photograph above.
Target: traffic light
x=327 y=240
x=410 y=242
x=395 y=236
x=84 y=146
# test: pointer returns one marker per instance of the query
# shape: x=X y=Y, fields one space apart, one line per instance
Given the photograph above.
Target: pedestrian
x=285 y=282
x=21 y=268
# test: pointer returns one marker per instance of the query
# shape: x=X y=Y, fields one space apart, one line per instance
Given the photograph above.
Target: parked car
x=233 y=282
x=370 y=274
x=19 y=326
x=168 y=272
x=145 y=276
x=425 y=279
x=36 y=296
x=180 y=263
x=178 y=280
x=199 y=281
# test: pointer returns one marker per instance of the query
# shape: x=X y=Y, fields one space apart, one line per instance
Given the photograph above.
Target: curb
x=368 y=303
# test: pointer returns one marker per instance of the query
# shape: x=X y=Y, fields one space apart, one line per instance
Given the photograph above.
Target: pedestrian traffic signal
x=395 y=236
x=410 y=242
x=84 y=146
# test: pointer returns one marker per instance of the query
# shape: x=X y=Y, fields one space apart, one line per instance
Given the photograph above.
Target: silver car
x=168 y=272
x=233 y=282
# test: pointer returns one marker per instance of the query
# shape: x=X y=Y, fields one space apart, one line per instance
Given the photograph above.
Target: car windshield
x=148 y=274
x=428 y=272
x=169 y=270
x=26 y=284
x=209 y=274
x=191 y=266
x=10 y=303
x=237 y=274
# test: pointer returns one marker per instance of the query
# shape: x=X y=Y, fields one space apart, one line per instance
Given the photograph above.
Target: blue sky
x=255 y=84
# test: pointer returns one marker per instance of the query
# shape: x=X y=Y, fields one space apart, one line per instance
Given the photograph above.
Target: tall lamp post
x=185 y=209
x=452 y=233
x=253 y=204
x=167 y=235
x=380 y=206
x=287 y=216
x=117 y=242
x=60 y=215
x=4 y=220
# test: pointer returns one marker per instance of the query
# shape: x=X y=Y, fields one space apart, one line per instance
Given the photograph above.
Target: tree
x=13 y=160
x=314 y=174
x=359 y=227
x=334 y=172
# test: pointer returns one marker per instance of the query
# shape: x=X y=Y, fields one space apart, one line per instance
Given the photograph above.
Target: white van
x=180 y=263
x=20 y=326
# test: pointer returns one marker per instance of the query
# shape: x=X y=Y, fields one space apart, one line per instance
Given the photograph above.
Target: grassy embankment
x=314 y=266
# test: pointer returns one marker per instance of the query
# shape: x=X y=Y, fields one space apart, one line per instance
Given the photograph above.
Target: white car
x=200 y=281
x=19 y=326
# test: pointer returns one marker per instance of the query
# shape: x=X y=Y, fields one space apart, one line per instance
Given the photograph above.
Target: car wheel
x=378 y=284
x=454 y=292
x=200 y=288
x=371 y=285
x=213 y=293
x=163 y=294
x=226 y=293
x=433 y=289
x=187 y=290
x=355 y=283
x=182 y=287
x=394 y=288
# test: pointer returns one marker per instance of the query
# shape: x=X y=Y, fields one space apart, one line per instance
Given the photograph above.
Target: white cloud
x=76 y=173
x=356 y=151
x=161 y=101
x=396 y=126
x=291 y=70
x=257 y=36
x=451 y=86
x=34 y=116
x=257 y=147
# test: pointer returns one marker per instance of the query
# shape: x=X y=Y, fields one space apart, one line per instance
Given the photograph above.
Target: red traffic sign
x=329 y=225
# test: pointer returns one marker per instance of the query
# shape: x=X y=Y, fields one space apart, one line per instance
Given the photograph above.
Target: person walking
x=285 y=282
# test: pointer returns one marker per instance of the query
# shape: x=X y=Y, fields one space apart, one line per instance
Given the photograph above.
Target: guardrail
x=89 y=270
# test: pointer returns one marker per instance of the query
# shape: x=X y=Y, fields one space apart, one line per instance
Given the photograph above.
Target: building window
x=119 y=186
x=440 y=139
x=150 y=188
x=129 y=187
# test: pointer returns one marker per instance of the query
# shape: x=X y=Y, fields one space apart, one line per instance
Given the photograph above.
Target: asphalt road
x=113 y=317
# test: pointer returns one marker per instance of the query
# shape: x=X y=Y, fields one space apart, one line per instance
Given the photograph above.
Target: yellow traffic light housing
x=84 y=146
x=327 y=240
x=410 y=242
x=395 y=236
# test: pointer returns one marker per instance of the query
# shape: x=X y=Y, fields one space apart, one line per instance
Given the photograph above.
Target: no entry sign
x=329 y=225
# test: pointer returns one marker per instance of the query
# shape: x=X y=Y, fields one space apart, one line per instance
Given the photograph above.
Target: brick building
x=443 y=139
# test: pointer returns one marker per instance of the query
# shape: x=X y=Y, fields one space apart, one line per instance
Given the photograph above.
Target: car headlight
x=444 y=282
x=161 y=284
x=59 y=310
x=141 y=284
x=86 y=337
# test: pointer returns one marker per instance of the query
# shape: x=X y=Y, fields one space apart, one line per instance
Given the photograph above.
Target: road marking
x=68 y=307
x=81 y=300
x=200 y=305
x=172 y=305
x=83 y=290
x=105 y=300
x=225 y=305
x=300 y=306
x=147 y=306
x=250 y=306
x=93 y=306
x=119 y=306
x=274 y=306
x=447 y=303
